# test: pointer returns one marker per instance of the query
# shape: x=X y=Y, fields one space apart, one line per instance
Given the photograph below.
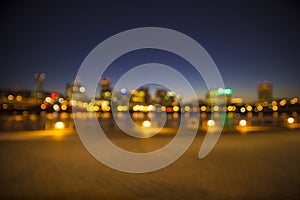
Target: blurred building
x=265 y=91
x=37 y=91
x=105 y=91
x=21 y=100
x=164 y=97
x=237 y=101
x=218 y=96
x=121 y=97
x=76 y=91
x=140 y=96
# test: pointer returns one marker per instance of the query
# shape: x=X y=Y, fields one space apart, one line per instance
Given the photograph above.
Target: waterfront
x=46 y=121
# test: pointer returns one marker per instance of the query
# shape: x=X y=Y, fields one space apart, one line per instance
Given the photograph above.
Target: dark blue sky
x=250 y=41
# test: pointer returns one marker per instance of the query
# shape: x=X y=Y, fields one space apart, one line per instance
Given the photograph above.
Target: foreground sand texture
x=253 y=166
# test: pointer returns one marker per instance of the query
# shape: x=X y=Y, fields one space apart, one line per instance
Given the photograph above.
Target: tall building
x=105 y=92
x=37 y=92
x=75 y=91
x=218 y=96
x=39 y=77
x=265 y=91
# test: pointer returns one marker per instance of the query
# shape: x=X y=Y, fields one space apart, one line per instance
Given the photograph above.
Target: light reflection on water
x=26 y=121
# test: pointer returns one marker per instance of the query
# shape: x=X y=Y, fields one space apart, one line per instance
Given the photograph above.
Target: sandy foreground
x=252 y=166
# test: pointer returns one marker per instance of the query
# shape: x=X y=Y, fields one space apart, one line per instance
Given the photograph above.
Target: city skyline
x=250 y=42
x=262 y=96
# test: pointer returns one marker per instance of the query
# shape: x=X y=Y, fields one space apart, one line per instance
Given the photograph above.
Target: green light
x=224 y=91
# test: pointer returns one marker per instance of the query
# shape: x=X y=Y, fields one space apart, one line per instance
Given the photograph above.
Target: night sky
x=250 y=41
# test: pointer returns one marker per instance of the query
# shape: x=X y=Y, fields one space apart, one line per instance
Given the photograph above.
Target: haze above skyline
x=250 y=42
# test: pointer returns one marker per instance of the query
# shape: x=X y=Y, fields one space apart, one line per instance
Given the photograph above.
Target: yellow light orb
x=19 y=98
x=5 y=106
x=43 y=106
x=176 y=108
x=146 y=123
x=64 y=107
x=290 y=120
x=10 y=97
x=249 y=108
x=187 y=108
x=211 y=123
x=243 y=122
x=259 y=108
x=59 y=125
x=203 y=108
x=274 y=108
x=282 y=102
x=216 y=108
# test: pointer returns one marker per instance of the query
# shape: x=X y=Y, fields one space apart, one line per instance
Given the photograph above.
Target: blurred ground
x=253 y=166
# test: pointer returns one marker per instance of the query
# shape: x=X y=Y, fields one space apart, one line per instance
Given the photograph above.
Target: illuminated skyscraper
x=265 y=91
x=75 y=91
